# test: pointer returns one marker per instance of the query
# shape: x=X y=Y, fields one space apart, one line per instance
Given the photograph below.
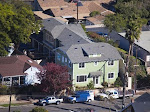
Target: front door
x=96 y=81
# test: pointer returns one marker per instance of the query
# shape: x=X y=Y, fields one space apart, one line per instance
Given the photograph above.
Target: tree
x=54 y=78
x=132 y=25
x=114 y=22
x=4 y=43
x=17 y=21
x=118 y=82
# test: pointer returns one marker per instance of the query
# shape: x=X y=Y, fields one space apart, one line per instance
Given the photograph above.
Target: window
x=82 y=78
x=94 y=55
x=69 y=63
x=110 y=75
x=96 y=63
x=111 y=62
x=58 y=56
x=63 y=59
x=81 y=65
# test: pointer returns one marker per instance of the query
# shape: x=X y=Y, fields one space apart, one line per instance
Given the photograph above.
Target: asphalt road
x=96 y=106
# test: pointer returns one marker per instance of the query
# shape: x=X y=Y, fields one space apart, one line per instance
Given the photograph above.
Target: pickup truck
x=50 y=100
x=115 y=94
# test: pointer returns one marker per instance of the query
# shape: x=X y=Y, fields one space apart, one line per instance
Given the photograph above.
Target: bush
x=3 y=90
x=39 y=109
x=105 y=84
x=94 y=13
x=90 y=85
x=118 y=82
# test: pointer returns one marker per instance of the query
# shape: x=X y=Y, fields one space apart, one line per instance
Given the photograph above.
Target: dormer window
x=94 y=55
x=81 y=65
x=111 y=62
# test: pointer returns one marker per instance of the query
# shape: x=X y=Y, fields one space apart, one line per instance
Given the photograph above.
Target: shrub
x=105 y=84
x=118 y=82
x=94 y=13
x=17 y=111
x=3 y=90
x=39 y=109
x=90 y=85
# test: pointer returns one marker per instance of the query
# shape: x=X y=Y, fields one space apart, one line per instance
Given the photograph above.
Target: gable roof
x=78 y=53
x=56 y=27
x=142 y=103
x=47 y=4
x=16 y=65
x=144 y=40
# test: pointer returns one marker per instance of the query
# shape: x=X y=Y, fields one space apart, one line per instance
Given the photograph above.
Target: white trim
x=82 y=75
x=82 y=67
x=113 y=75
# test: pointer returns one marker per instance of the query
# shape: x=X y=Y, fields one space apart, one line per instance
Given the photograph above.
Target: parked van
x=82 y=96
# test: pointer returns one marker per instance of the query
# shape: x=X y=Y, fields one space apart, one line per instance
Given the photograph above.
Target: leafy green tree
x=18 y=22
x=4 y=43
x=118 y=82
x=114 y=22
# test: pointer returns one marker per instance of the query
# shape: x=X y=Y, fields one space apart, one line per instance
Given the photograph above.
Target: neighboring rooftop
x=16 y=65
x=47 y=4
x=80 y=52
x=144 y=41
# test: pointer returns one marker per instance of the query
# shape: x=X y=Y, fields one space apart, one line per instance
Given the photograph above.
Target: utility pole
x=10 y=94
x=77 y=11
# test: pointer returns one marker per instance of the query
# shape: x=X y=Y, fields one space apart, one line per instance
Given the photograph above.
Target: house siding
x=90 y=67
x=75 y=71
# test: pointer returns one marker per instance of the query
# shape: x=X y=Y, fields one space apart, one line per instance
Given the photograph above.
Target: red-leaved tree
x=54 y=78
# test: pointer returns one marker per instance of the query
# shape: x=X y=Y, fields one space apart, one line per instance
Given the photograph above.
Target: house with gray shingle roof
x=96 y=62
x=141 y=48
x=86 y=61
x=57 y=33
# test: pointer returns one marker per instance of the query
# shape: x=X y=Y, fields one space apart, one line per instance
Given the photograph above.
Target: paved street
x=97 y=106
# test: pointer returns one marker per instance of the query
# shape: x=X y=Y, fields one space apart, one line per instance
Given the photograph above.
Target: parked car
x=50 y=100
x=115 y=94
x=82 y=96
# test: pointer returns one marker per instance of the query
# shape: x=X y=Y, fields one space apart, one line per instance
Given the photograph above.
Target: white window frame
x=110 y=64
x=81 y=67
x=62 y=59
x=111 y=73
x=95 y=63
x=58 y=56
x=80 y=76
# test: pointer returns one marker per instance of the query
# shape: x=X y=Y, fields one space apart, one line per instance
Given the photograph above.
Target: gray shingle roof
x=50 y=23
x=68 y=38
x=144 y=40
x=78 y=53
